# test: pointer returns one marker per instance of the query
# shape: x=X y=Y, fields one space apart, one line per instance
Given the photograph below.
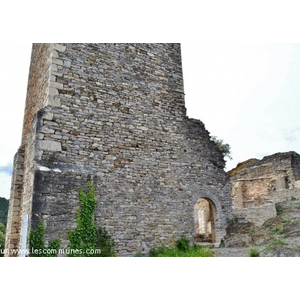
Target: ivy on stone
x=86 y=240
x=37 y=247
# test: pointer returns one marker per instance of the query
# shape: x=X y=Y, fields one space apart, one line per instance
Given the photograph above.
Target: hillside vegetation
x=3 y=210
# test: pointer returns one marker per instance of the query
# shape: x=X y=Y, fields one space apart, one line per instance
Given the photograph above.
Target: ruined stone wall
x=115 y=114
x=38 y=85
x=22 y=180
x=14 y=215
x=258 y=184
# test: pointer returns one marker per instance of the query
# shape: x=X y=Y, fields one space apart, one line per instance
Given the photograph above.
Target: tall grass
x=181 y=249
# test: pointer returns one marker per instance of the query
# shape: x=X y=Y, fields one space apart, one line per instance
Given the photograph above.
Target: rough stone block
x=48 y=116
x=56 y=85
x=59 y=47
x=54 y=53
x=54 y=102
x=297 y=184
x=53 y=91
x=52 y=146
x=46 y=129
x=57 y=61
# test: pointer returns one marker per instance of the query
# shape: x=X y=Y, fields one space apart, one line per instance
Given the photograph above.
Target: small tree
x=86 y=239
x=225 y=148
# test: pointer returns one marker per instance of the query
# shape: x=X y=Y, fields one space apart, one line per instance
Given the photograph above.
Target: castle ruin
x=257 y=185
x=115 y=114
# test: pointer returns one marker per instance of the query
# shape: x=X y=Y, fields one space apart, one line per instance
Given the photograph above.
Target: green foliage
x=86 y=240
x=274 y=243
x=182 y=244
x=224 y=148
x=181 y=249
x=37 y=246
x=276 y=230
x=3 y=210
x=279 y=208
x=104 y=242
x=2 y=239
x=232 y=221
x=254 y=252
x=222 y=244
x=295 y=199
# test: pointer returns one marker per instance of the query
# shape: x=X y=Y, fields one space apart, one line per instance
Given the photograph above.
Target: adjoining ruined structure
x=257 y=185
x=115 y=114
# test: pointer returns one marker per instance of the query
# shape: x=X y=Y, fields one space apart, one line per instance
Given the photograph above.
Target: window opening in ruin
x=204 y=217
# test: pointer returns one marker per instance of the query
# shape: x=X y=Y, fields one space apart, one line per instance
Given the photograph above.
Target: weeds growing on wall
x=274 y=243
x=37 y=246
x=86 y=239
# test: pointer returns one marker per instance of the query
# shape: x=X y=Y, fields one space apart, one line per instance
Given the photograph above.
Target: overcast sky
x=246 y=94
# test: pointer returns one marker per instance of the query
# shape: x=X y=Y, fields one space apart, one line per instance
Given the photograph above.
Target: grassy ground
x=181 y=249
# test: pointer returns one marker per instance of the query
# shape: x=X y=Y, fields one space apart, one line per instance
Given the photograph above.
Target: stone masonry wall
x=115 y=114
x=15 y=209
x=38 y=84
x=258 y=184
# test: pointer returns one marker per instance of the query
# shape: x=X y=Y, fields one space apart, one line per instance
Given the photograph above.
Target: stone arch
x=210 y=229
x=205 y=221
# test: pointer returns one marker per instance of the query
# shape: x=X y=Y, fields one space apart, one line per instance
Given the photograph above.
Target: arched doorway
x=204 y=220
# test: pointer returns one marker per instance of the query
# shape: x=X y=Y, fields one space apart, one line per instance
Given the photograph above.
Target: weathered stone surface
x=116 y=115
x=59 y=47
x=276 y=237
x=52 y=146
x=257 y=185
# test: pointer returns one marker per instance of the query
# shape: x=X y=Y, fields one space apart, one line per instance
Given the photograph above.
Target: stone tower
x=115 y=114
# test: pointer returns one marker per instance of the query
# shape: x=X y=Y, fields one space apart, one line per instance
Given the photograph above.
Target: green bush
x=86 y=240
x=254 y=252
x=104 y=242
x=181 y=249
x=37 y=246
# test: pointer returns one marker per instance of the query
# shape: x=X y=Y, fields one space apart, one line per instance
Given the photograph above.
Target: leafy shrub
x=182 y=244
x=181 y=249
x=224 y=148
x=37 y=243
x=86 y=239
x=254 y=252
x=104 y=242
